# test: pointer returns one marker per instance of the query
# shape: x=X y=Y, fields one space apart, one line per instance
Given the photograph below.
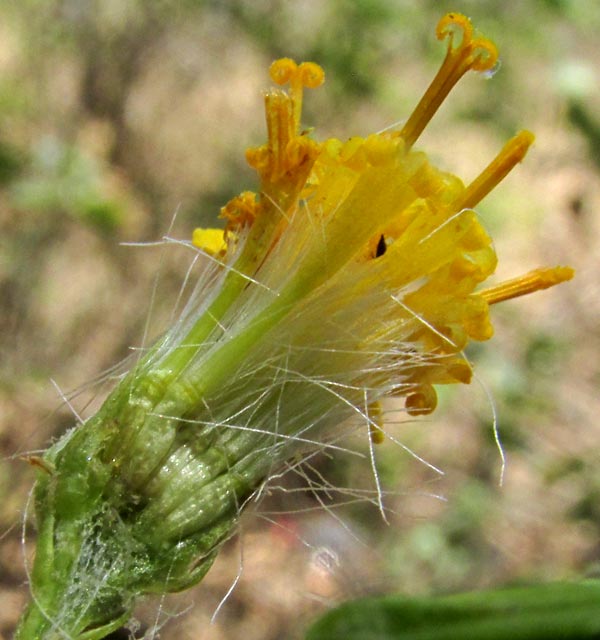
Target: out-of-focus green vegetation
x=545 y=612
x=115 y=115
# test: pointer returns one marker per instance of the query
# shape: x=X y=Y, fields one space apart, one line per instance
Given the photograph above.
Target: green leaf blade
x=560 y=611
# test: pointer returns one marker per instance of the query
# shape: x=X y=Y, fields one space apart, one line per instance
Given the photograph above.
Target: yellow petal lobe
x=210 y=240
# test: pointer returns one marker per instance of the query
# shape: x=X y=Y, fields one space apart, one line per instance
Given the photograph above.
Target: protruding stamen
x=512 y=153
x=283 y=70
x=533 y=281
x=285 y=148
x=454 y=24
x=311 y=74
x=464 y=53
x=307 y=74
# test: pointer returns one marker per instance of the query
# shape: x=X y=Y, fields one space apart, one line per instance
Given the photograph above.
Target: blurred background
x=124 y=120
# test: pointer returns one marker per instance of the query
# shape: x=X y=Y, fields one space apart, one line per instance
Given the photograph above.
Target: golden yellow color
x=341 y=220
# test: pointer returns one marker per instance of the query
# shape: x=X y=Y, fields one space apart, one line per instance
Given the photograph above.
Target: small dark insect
x=381 y=247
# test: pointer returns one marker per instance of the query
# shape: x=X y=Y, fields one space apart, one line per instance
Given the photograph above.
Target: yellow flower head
x=368 y=237
x=353 y=274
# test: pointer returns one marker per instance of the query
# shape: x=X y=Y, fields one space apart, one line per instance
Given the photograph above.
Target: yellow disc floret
x=465 y=53
x=370 y=228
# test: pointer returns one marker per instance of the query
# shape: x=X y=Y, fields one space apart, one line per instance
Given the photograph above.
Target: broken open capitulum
x=352 y=275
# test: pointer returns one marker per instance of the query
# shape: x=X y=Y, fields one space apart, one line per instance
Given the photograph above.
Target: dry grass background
x=116 y=115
